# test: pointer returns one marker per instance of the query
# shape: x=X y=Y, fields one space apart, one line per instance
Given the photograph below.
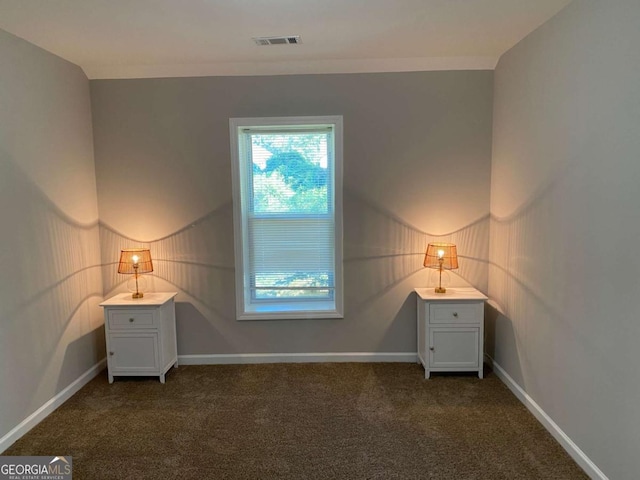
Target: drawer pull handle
x=455 y=314
x=131 y=319
x=431 y=348
x=111 y=354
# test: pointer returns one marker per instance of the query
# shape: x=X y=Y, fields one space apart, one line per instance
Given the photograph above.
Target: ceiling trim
x=375 y=65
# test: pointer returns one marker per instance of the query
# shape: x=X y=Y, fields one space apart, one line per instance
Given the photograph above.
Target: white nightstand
x=451 y=330
x=140 y=334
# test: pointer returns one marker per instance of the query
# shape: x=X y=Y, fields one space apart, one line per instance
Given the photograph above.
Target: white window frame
x=245 y=309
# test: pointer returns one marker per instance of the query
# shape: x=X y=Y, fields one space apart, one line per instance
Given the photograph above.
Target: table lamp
x=442 y=256
x=136 y=261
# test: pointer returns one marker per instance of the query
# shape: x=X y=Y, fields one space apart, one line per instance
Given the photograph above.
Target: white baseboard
x=36 y=417
x=239 y=358
x=572 y=449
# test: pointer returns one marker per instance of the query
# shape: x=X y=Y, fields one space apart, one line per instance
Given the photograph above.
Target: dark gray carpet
x=299 y=421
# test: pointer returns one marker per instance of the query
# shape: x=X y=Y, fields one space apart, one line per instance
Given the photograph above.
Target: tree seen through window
x=290 y=173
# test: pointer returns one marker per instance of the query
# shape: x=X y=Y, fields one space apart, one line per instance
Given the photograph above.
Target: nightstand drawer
x=456 y=313
x=130 y=319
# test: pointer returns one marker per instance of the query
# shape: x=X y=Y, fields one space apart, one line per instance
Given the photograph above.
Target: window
x=287 y=206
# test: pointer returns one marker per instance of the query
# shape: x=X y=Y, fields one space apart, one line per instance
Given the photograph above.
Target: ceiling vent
x=288 y=40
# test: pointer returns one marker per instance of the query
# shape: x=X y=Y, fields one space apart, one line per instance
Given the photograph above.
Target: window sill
x=289 y=312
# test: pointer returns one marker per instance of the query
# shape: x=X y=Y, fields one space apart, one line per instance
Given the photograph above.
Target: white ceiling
x=158 y=38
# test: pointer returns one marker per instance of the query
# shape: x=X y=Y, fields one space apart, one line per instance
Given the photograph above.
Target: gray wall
x=50 y=282
x=565 y=206
x=417 y=164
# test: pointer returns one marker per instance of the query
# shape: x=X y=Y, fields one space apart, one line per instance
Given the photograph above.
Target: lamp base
x=440 y=290
x=137 y=295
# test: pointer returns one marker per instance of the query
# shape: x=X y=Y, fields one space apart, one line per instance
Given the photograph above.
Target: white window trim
x=275 y=311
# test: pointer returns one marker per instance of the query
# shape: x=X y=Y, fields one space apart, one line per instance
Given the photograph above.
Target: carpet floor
x=299 y=421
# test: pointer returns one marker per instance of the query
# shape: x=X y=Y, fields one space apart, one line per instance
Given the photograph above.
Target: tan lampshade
x=131 y=256
x=446 y=251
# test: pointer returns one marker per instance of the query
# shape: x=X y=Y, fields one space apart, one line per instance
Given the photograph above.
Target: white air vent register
x=285 y=40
